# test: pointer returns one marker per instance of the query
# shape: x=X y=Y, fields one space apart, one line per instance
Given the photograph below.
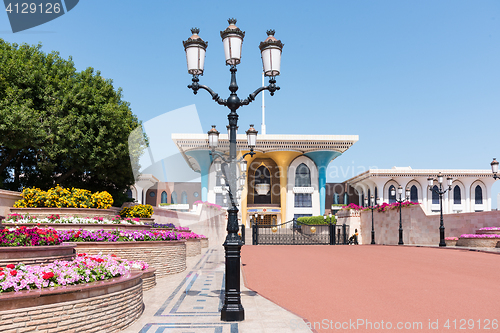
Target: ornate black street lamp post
x=372 y=208
x=494 y=169
x=440 y=192
x=195 y=48
x=400 y=201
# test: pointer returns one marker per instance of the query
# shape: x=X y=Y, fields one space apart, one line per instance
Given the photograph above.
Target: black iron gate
x=296 y=233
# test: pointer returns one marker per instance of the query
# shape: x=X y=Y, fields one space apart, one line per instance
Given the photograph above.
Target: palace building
x=286 y=178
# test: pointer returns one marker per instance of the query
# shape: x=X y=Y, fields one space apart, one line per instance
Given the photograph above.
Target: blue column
x=322 y=159
x=204 y=161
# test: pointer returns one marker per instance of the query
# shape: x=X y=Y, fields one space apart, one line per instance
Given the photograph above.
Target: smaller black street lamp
x=400 y=202
x=494 y=169
x=440 y=191
x=372 y=208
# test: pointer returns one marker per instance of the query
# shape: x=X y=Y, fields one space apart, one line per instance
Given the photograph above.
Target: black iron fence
x=295 y=233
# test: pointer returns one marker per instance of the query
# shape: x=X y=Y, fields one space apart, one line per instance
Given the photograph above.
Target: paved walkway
x=191 y=301
x=373 y=287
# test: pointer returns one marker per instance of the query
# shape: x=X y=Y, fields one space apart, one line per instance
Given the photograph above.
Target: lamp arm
x=217 y=155
x=196 y=86
x=272 y=87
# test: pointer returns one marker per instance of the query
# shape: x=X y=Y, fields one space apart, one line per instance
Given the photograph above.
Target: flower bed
x=489 y=231
x=42 y=212
x=103 y=306
x=83 y=269
x=116 y=235
x=24 y=236
x=162 y=226
x=142 y=211
x=57 y=219
x=64 y=197
x=478 y=240
x=381 y=208
x=168 y=257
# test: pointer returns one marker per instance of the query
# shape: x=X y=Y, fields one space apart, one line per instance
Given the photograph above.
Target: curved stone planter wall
x=102 y=306
x=193 y=247
x=168 y=257
x=204 y=242
x=478 y=242
x=66 y=212
x=450 y=242
x=36 y=254
x=148 y=279
x=83 y=226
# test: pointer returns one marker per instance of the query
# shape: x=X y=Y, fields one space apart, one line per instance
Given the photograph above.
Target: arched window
x=435 y=196
x=392 y=198
x=457 y=195
x=479 y=195
x=262 y=176
x=376 y=195
x=173 y=198
x=414 y=194
x=302 y=176
x=184 y=197
x=303 y=179
x=335 y=198
x=129 y=193
x=164 y=197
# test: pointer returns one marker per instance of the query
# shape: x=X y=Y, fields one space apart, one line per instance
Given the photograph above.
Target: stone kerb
x=193 y=247
x=30 y=255
x=43 y=212
x=168 y=257
x=103 y=306
x=420 y=228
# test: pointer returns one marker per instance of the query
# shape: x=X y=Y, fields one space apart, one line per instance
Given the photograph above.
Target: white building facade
x=470 y=191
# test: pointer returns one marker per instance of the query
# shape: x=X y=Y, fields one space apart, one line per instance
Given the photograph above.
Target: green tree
x=61 y=126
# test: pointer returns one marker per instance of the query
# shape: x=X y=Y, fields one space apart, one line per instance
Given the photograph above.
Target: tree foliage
x=61 y=126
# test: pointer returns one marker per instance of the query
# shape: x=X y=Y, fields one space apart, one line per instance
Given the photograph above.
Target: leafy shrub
x=144 y=211
x=315 y=220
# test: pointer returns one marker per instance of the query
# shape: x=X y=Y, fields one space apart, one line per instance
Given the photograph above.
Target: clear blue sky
x=418 y=81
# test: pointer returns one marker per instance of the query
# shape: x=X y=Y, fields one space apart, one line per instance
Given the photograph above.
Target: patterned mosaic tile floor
x=190 y=302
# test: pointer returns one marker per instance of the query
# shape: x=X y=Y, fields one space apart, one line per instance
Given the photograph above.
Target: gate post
x=344 y=232
x=332 y=233
x=255 y=234
x=243 y=234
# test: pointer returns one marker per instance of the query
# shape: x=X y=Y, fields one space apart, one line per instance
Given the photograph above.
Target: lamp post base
x=232 y=310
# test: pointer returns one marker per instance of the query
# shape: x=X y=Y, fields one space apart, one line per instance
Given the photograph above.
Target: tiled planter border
x=193 y=247
x=478 y=242
x=488 y=232
x=36 y=254
x=104 y=306
x=168 y=257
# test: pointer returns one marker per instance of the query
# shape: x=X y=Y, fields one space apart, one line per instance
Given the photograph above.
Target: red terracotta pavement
x=341 y=285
